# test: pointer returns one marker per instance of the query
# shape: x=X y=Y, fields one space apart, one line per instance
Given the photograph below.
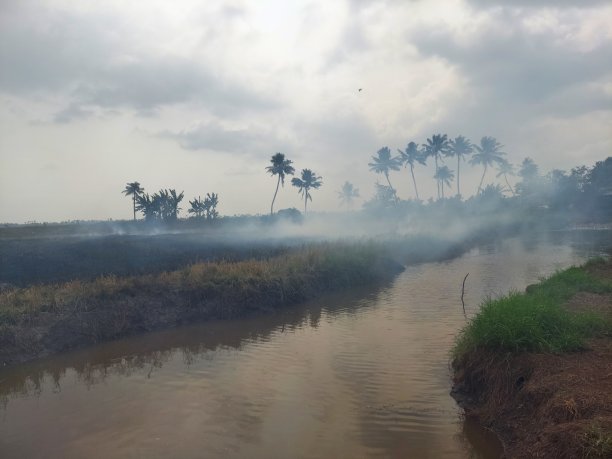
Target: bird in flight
x=360 y=89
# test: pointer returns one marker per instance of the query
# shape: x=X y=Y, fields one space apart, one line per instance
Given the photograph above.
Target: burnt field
x=26 y=261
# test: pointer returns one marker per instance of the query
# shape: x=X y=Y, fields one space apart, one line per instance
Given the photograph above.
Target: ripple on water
x=357 y=374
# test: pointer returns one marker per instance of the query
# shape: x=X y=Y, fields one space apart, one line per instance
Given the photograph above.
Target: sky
x=198 y=96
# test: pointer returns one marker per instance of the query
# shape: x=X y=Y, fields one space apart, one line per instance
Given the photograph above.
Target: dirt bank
x=545 y=405
x=45 y=319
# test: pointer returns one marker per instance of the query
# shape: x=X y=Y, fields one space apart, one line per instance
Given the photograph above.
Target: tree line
x=439 y=147
x=163 y=205
x=533 y=187
x=582 y=187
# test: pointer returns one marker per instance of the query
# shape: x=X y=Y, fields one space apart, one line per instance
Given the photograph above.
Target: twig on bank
x=462 y=293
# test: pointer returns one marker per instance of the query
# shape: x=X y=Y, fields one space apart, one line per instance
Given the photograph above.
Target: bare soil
x=543 y=405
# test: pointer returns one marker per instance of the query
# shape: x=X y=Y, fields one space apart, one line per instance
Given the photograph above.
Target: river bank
x=48 y=318
x=366 y=368
x=536 y=367
x=40 y=319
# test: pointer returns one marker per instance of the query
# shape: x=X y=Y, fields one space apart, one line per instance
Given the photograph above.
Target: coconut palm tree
x=384 y=198
x=133 y=189
x=210 y=205
x=148 y=205
x=487 y=153
x=436 y=146
x=170 y=201
x=444 y=175
x=281 y=167
x=383 y=163
x=459 y=147
x=197 y=207
x=409 y=157
x=309 y=181
x=529 y=170
x=347 y=194
x=504 y=169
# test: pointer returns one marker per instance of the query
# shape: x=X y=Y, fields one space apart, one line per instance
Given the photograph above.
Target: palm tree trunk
x=442 y=183
x=134 y=204
x=305 y=201
x=458 y=189
x=414 y=181
x=483 y=175
x=438 y=181
x=508 y=183
x=391 y=186
x=274 y=198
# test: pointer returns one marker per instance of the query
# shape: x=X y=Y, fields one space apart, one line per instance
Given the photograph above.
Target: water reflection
x=145 y=353
x=362 y=373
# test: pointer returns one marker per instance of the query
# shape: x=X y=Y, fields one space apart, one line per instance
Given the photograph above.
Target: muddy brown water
x=359 y=374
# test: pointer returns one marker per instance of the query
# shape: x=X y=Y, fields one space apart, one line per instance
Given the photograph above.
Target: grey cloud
x=43 y=49
x=339 y=135
x=515 y=80
x=86 y=58
x=353 y=40
x=538 y=3
x=71 y=113
x=150 y=83
x=233 y=12
x=579 y=99
x=212 y=136
x=49 y=167
x=356 y=5
x=515 y=66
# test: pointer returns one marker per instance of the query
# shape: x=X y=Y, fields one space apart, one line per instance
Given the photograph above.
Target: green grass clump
x=536 y=320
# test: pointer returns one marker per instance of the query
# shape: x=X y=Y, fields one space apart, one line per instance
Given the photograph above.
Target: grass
x=597 y=442
x=322 y=266
x=536 y=320
x=53 y=317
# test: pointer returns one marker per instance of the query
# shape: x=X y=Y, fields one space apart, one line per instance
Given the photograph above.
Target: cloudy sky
x=198 y=95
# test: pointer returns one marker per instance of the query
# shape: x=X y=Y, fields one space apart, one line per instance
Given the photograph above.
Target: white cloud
x=177 y=95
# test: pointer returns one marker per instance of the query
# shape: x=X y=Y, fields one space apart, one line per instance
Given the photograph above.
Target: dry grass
x=318 y=267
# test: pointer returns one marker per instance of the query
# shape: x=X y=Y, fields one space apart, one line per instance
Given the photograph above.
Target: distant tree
x=197 y=207
x=490 y=198
x=347 y=194
x=459 y=147
x=384 y=198
x=580 y=176
x=444 y=176
x=409 y=157
x=504 y=169
x=148 y=205
x=292 y=214
x=487 y=153
x=587 y=191
x=210 y=206
x=492 y=192
x=163 y=197
x=133 y=189
x=531 y=184
x=383 y=163
x=529 y=170
x=170 y=201
x=436 y=146
x=309 y=181
x=281 y=167
x=163 y=205
x=599 y=178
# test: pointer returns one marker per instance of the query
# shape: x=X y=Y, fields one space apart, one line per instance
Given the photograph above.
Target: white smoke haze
x=197 y=96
